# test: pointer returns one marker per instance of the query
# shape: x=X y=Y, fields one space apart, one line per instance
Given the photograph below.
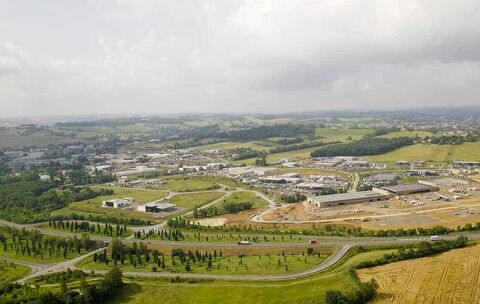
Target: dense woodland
x=27 y=199
x=365 y=146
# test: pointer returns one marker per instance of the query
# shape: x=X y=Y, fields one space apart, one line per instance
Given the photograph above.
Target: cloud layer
x=81 y=57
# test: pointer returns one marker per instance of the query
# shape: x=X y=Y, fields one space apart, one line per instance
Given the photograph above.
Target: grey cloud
x=173 y=56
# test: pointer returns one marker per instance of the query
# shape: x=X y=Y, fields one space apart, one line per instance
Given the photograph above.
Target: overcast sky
x=126 y=56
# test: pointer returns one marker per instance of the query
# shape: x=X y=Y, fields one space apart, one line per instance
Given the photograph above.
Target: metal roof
x=409 y=187
x=349 y=196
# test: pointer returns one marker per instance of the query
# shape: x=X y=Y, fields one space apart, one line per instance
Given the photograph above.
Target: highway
x=343 y=243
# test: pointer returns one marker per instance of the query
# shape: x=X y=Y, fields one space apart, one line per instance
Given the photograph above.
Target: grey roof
x=385 y=176
x=349 y=196
x=410 y=187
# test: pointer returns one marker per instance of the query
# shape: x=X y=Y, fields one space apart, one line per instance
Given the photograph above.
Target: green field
x=10 y=253
x=242 y=264
x=225 y=146
x=93 y=206
x=421 y=134
x=192 y=183
x=301 y=291
x=276 y=158
x=191 y=200
x=13 y=138
x=79 y=233
x=434 y=153
x=10 y=272
x=342 y=135
x=245 y=196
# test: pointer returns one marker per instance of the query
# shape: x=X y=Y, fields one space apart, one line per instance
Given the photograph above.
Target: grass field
x=225 y=146
x=342 y=135
x=10 y=272
x=245 y=196
x=277 y=157
x=31 y=259
x=440 y=153
x=241 y=264
x=198 y=183
x=12 y=138
x=188 y=184
x=451 y=277
x=93 y=206
x=191 y=200
x=78 y=232
x=421 y=134
x=301 y=291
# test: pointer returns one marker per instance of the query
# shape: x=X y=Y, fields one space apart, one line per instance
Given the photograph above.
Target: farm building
x=384 y=179
x=350 y=198
x=420 y=187
x=156 y=207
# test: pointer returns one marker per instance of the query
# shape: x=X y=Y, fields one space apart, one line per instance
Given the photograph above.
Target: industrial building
x=117 y=203
x=156 y=207
x=350 y=198
x=383 y=179
x=420 y=187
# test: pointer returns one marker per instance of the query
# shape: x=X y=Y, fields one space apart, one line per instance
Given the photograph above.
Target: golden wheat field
x=451 y=277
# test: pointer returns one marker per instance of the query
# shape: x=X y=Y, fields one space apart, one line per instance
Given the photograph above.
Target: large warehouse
x=420 y=187
x=333 y=200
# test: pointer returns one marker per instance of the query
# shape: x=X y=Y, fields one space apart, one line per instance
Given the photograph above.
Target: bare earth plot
x=451 y=277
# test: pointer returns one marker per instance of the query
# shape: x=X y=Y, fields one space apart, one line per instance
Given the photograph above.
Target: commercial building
x=420 y=187
x=156 y=207
x=117 y=202
x=383 y=179
x=333 y=200
x=136 y=170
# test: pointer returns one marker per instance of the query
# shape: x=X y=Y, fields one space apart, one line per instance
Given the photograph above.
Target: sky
x=123 y=56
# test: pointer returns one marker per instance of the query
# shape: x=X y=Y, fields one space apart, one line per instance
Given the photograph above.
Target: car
x=243 y=243
x=435 y=238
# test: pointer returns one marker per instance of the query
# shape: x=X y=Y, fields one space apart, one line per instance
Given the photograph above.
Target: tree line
x=87 y=227
x=366 y=146
x=33 y=243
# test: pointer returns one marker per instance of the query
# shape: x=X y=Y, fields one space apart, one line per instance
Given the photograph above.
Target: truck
x=243 y=243
x=434 y=238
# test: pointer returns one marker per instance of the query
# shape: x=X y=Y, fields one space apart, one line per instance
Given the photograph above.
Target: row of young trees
x=104 y=219
x=167 y=234
x=33 y=243
x=87 y=227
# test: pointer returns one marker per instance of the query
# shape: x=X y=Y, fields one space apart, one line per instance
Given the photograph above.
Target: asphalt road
x=344 y=243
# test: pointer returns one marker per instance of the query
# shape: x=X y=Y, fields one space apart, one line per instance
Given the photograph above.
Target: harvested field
x=451 y=277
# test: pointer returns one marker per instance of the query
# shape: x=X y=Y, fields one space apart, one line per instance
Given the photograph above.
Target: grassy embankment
x=256 y=263
x=433 y=153
x=302 y=291
x=10 y=272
